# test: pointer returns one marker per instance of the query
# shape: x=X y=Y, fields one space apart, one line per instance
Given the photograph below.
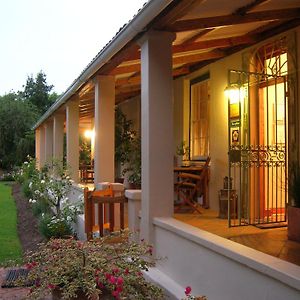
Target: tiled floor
x=271 y=241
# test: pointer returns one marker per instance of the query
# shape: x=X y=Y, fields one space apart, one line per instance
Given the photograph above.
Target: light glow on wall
x=234 y=94
x=89 y=134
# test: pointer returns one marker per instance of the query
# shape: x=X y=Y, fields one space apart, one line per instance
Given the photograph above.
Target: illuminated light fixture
x=89 y=134
x=234 y=93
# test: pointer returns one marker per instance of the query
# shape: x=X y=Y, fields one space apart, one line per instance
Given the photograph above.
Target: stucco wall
x=219 y=268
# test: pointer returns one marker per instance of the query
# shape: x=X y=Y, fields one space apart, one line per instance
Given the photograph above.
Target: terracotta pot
x=294 y=223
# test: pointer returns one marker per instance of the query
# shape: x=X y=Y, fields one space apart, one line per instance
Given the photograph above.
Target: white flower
x=30 y=200
x=43 y=215
x=69 y=218
x=42 y=181
x=33 y=201
x=30 y=184
x=25 y=162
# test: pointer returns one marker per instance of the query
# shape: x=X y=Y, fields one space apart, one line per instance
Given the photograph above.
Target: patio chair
x=190 y=186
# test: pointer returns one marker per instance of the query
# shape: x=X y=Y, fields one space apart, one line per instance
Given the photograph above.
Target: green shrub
x=54 y=227
x=39 y=207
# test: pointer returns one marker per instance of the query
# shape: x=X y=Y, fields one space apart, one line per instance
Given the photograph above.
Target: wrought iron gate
x=257 y=130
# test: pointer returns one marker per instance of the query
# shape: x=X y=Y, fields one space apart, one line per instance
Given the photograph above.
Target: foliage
x=26 y=171
x=47 y=191
x=189 y=296
x=124 y=136
x=84 y=151
x=7 y=176
x=54 y=226
x=18 y=113
x=16 y=137
x=10 y=248
x=134 y=166
x=183 y=150
x=108 y=265
x=37 y=92
x=294 y=184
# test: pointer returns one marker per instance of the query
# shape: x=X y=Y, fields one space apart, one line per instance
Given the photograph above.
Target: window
x=199 y=117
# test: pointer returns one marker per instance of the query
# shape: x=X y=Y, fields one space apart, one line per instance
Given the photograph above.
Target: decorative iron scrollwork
x=257 y=155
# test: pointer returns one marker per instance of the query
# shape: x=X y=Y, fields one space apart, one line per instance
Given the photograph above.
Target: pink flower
x=188 y=290
x=79 y=244
x=107 y=275
x=126 y=271
x=120 y=280
x=150 y=250
x=112 y=279
x=51 y=286
x=115 y=271
x=119 y=289
x=115 y=294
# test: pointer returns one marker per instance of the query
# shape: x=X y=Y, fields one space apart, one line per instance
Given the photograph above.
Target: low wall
x=219 y=268
x=75 y=195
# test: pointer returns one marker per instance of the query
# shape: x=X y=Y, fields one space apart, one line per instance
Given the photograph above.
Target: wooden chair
x=190 y=186
x=101 y=198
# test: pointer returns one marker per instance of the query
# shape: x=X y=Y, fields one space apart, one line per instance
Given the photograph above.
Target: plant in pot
x=294 y=203
x=134 y=165
x=182 y=152
x=124 y=136
x=107 y=268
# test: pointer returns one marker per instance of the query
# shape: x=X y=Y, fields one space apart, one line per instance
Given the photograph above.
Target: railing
x=106 y=200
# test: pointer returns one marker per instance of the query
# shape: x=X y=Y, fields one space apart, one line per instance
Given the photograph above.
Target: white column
x=72 y=130
x=157 y=129
x=49 y=141
x=42 y=156
x=104 y=129
x=38 y=147
x=58 y=137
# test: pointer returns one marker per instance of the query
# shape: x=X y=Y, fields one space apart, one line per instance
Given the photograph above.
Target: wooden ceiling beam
x=126 y=69
x=198 y=57
x=129 y=52
x=197 y=36
x=245 y=9
x=181 y=9
x=234 y=19
x=216 y=43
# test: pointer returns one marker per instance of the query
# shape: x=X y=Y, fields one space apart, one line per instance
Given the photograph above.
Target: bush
x=54 y=227
x=7 y=177
x=39 y=207
x=110 y=265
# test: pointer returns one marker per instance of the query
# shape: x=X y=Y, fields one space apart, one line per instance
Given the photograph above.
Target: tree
x=37 y=92
x=16 y=137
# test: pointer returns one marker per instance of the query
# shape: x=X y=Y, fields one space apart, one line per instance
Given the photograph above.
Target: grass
x=10 y=246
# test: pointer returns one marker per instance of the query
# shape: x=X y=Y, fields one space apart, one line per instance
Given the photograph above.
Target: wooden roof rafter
x=233 y=19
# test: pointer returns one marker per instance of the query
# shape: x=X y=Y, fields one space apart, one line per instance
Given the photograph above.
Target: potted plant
x=134 y=165
x=106 y=268
x=124 y=136
x=294 y=203
x=182 y=152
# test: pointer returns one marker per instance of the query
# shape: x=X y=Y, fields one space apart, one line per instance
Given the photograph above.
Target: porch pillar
x=157 y=129
x=39 y=147
x=104 y=129
x=72 y=130
x=58 y=137
x=48 y=141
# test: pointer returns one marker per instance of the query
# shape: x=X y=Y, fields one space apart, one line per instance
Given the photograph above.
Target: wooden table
x=197 y=170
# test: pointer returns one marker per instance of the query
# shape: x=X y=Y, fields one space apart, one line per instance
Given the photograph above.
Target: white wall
x=221 y=269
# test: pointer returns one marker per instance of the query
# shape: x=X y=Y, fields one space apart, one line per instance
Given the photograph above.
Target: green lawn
x=10 y=247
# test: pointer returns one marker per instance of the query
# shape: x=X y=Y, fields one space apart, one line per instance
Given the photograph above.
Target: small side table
x=223 y=203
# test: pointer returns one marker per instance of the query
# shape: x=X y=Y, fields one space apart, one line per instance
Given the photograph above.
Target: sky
x=59 y=37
